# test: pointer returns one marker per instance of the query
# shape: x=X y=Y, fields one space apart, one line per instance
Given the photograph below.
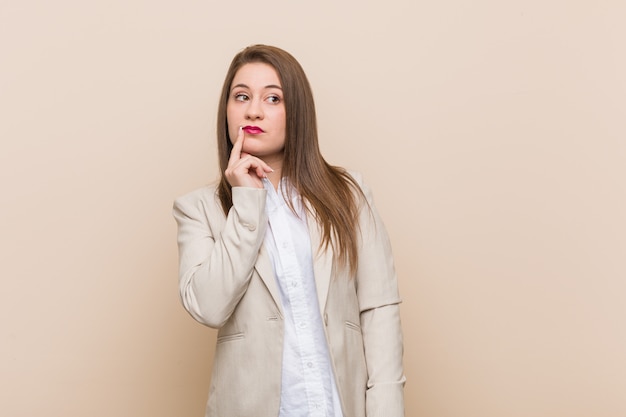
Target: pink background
x=492 y=133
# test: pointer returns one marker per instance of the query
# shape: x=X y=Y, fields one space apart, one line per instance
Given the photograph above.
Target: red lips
x=253 y=130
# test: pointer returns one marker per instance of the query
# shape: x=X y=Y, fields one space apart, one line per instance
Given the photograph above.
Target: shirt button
x=302 y=325
x=285 y=245
x=309 y=364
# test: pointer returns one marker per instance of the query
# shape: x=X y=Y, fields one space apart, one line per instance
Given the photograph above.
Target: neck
x=276 y=163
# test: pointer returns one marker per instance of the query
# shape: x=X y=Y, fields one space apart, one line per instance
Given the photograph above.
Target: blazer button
x=250 y=227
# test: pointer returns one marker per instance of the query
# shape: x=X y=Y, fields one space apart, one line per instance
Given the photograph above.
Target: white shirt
x=308 y=385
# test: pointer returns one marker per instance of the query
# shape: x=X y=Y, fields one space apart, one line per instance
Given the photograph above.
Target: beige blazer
x=227 y=282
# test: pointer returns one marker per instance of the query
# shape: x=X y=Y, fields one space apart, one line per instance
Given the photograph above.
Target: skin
x=256 y=99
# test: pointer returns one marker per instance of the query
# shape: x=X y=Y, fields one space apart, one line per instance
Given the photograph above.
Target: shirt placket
x=292 y=277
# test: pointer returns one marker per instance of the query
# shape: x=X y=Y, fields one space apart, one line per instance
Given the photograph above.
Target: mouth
x=253 y=130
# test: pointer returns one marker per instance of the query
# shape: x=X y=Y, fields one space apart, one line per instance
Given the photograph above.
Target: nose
x=254 y=110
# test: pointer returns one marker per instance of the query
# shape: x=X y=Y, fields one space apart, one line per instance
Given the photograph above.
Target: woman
x=288 y=258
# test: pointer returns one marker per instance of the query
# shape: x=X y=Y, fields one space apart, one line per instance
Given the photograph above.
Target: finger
x=261 y=172
x=247 y=171
x=235 y=153
x=255 y=163
x=252 y=163
x=260 y=167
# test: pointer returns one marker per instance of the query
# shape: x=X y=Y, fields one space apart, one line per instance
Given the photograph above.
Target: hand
x=245 y=170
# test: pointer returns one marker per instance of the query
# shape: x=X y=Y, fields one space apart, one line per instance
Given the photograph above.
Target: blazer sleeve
x=380 y=316
x=216 y=257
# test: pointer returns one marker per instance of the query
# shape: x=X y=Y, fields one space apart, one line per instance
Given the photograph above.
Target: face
x=256 y=104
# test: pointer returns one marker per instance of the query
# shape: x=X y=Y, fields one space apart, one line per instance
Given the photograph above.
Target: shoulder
x=356 y=176
x=207 y=192
x=203 y=197
x=359 y=181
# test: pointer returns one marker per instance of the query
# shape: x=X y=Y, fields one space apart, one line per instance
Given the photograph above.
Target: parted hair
x=331 y=192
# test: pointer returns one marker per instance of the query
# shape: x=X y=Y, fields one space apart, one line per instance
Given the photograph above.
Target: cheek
x=282 y=117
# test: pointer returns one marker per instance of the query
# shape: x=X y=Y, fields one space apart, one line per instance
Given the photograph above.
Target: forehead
x=256 y=75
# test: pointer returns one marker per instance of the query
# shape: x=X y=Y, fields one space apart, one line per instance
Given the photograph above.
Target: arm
x=380 y=316
x=215 y=266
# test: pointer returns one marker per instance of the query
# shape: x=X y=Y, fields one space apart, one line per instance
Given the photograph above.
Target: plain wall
x=492 y=133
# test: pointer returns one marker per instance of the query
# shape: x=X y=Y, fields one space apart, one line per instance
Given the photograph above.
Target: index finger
x=235 y=153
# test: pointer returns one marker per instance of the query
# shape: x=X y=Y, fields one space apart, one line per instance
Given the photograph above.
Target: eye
x=274 y=99
x=241 y=97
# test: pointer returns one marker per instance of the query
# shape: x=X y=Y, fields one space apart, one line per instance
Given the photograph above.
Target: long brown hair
x=330 y=191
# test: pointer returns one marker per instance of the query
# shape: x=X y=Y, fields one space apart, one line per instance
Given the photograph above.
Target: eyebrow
x=245 y=86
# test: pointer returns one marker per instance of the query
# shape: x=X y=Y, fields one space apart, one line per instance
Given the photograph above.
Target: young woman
x=289 y=259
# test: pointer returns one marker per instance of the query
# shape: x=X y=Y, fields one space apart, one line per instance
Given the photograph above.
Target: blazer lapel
x=322 y=266
x=265 y=270
x=322 y=262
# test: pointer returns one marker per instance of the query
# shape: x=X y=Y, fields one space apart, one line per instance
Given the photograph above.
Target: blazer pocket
x=230 y=337
x=353 y=326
